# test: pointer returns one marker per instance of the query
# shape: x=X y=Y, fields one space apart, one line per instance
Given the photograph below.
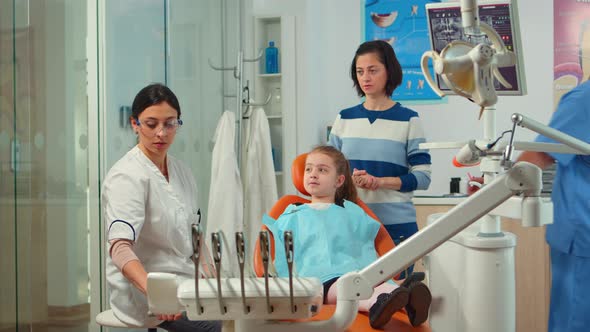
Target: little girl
x=333 y=236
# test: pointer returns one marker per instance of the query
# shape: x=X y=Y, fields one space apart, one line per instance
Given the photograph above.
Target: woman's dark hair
x=387 y=57
x=347 y=190
x=154 y=94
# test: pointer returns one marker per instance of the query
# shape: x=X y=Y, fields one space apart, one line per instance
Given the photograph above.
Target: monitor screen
x=444 y=24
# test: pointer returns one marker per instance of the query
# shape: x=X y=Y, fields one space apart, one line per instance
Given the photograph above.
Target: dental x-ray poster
x=403 y=24
x=571 y=55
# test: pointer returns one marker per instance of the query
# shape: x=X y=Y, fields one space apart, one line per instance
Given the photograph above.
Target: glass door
x=44 y=284
x=8 y=293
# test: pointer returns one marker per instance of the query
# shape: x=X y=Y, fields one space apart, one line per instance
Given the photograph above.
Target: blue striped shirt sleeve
x=419 y=160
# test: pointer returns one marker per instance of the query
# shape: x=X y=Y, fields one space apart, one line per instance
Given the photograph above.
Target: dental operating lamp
x=469 y=67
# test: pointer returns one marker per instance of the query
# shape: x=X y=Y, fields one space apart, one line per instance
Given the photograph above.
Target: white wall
x=328 y=33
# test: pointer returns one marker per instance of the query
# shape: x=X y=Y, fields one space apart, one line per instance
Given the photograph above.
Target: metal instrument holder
x=196 y=237
x=289 y=256
x=246 y=100
x=241 y=250
x=216 y=244
x=237 y=71
x=265 y=253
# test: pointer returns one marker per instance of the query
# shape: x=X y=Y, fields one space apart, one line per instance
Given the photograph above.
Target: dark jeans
x=186 y=325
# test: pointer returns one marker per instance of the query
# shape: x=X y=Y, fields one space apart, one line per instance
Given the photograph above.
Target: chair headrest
x=297 y=172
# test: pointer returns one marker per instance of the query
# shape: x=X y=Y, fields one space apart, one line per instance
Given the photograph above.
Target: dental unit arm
x=570 y=144
x=167 y=295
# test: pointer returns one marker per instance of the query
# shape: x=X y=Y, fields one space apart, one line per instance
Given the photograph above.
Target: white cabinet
x=281 y=109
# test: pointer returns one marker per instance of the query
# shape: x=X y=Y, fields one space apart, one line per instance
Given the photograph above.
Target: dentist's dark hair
x=154 y=94
x=347 y=191
x=387 y=57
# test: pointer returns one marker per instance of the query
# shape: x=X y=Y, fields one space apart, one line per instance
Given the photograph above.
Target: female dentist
x=150 y=201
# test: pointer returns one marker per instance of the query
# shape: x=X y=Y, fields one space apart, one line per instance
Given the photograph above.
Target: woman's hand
x=364 y=180
x=170 y=317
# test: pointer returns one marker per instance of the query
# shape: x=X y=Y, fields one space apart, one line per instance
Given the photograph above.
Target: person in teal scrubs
x=569 y=235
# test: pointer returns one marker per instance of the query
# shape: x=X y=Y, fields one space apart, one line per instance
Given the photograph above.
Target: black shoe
x=418 y=303
x=387 y=304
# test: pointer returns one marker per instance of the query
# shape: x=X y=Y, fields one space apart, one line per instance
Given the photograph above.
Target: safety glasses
x=153 y=127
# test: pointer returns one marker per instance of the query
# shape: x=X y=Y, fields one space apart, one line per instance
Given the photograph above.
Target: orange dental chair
x=383 y=243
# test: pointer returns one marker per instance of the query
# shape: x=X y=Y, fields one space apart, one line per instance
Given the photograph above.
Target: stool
x=107 y=318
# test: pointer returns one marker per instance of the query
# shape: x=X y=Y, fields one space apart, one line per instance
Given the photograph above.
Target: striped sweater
x=385 y=144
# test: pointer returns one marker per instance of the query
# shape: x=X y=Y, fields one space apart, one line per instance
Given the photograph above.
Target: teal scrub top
x=570 y=231
x=326 y=243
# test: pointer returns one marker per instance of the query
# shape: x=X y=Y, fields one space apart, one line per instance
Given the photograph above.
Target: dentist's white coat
x=225 y=210
x=260 y=186
x=141 y=206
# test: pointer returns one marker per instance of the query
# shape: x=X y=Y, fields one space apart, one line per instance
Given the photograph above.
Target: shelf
x=269 y=75
x=281 y=86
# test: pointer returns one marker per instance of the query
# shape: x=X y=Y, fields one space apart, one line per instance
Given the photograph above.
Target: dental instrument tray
x=306 y=299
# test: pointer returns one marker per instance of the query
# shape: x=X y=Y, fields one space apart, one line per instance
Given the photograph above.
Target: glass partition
x=44 y=132
x=44 y=284
x=8 y=294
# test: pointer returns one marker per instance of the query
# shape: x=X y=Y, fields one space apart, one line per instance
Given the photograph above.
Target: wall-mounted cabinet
x=281 y=87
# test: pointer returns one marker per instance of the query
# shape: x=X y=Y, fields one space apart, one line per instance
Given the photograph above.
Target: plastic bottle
x=272 y=58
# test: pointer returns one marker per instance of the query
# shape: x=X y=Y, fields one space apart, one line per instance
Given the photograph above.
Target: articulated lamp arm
x=524 y=178
x=580 y=146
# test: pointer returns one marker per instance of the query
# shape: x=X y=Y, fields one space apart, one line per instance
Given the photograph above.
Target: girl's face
x=321 y=179
x=157 y=128
x=371 y=74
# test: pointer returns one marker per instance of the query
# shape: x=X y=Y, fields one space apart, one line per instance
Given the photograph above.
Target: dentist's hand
x=169 y=317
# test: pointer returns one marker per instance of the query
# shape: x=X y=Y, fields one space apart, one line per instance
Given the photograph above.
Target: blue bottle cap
x=271 y=43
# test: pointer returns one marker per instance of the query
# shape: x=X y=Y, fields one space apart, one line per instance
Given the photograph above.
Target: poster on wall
x=571 y=40
x=402 y=23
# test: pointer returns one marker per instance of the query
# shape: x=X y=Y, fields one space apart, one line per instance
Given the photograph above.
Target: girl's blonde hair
x=347 y=191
